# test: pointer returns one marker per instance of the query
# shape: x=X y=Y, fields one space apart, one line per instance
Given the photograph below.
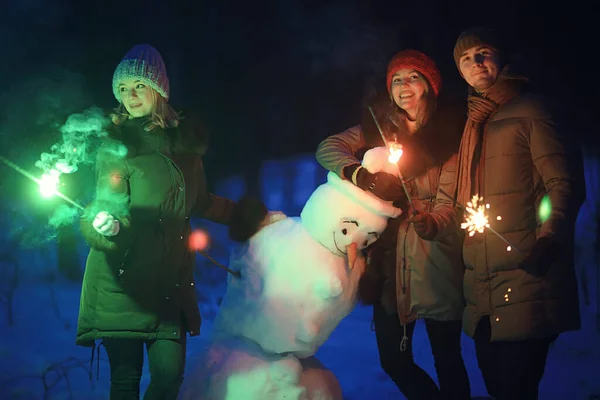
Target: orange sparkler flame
x=395 y=150
x=476 y=220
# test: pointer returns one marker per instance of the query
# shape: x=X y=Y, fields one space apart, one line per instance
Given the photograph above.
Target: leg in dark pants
x=412 y=381
x=166 y=360
x=444 y=337
x=511 y=370
x=126 y=359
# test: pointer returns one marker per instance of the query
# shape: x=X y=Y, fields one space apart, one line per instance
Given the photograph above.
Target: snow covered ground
x=39 y=359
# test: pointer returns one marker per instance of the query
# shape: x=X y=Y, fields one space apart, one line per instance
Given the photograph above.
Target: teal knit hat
x=145 y=63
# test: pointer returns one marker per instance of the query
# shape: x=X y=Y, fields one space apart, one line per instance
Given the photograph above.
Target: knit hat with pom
x=145 y=63
x=418 y=61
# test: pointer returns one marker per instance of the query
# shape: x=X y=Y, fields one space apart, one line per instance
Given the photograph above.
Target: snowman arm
x=339 y=151
x=444 y=212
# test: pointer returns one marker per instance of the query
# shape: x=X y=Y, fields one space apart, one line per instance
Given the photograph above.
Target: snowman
x=299 y=278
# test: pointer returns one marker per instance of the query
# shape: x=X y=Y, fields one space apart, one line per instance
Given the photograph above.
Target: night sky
x=273 y=78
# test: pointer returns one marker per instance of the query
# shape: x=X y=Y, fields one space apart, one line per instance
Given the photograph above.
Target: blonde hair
x=162 y=116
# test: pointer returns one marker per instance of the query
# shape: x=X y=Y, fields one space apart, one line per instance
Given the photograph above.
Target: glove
x=105 y=224
x=272 y=217
x=425 y=225
x=249 y=216
x=383 y=185
x=540 y=258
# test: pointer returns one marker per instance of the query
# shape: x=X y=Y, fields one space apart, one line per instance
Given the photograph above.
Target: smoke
x=64 y=215
x=116 y=204
x=80 y=141
x=81 y=138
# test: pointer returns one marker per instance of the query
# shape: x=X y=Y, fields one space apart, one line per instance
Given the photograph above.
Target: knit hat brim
x=474 y=37
x=144 y=63
x=413 y=59
x=130 y=69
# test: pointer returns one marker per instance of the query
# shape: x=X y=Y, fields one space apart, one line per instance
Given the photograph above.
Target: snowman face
x=350 y=231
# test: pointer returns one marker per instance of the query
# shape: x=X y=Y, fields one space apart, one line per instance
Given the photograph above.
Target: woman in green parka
x=138 y=289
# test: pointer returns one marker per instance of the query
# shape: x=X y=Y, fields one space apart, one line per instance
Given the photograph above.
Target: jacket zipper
x=404 y=263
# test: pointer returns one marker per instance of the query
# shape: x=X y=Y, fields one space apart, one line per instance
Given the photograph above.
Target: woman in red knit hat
x=415 y=269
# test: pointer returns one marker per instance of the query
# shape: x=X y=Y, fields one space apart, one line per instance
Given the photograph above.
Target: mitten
x=249 y=216
x=272 y=217
x=425 y=225
x=105 y=224
x=383 y=185
x=540 y=258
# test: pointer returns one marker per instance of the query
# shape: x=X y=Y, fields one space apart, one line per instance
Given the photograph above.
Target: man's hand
x=425 y=225
x=540 y=258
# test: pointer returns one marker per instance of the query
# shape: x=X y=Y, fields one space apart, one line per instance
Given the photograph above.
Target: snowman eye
x=366 y=243
x=344 y=231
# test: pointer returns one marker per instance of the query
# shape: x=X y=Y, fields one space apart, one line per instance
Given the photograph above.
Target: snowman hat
x=374 y=160
x=367 y=200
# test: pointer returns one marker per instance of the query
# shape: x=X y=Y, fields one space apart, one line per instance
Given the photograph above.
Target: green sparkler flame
x=545 y=209
x=49 y=182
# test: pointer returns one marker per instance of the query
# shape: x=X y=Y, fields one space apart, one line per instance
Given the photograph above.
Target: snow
x=41 y=337
x=39 y=359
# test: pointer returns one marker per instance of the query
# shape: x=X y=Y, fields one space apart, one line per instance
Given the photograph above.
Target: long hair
x=162 y=116
x=425 y=108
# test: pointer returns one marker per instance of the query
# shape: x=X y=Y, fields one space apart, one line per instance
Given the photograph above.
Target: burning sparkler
x=476 y=221
x=396 y=152
x=48 y=182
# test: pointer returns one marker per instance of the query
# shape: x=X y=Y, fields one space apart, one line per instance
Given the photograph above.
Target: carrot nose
x=352 y=252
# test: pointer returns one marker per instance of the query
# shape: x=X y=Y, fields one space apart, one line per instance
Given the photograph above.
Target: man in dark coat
x=513 y=155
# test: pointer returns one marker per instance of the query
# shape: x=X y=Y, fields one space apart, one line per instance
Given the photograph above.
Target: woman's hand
x=105 y=224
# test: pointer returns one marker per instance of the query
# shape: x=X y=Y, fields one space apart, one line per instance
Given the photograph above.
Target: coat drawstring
x=404 y=340
x=95 y=348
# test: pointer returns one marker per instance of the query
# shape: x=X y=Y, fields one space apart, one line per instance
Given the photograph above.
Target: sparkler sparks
x=395 y=150
x=48 y=182
x=476 y=221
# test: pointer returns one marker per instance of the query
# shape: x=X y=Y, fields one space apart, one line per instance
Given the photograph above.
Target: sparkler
x=237 y=274
x=48 y=182
x=395 y=150
x=476 y=221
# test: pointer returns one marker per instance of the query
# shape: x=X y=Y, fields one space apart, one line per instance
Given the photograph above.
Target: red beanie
x=413 y=59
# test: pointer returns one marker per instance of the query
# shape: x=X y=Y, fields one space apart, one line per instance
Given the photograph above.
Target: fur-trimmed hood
x=191 y=136
x=431 y=145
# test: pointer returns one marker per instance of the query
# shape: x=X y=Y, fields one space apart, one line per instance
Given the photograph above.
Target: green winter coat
x=139 y=284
